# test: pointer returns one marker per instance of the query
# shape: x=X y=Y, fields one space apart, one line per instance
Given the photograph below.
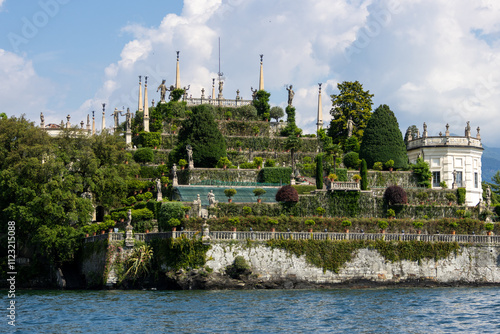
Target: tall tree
x=261 y=102
x=352 y=103
x=382 y=140
x=202 y=133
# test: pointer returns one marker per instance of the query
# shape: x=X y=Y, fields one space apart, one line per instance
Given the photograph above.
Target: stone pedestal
x=205 y=234
x=128 y=138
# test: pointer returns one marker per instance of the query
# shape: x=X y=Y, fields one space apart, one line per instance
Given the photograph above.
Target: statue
x=116 y=115
x=254 y=93
x=189 y=153
x=291 y=94
x=158 y=185
x=129 y=217
x=467 y=129
x=128 y=119
x=211 y=199
x=221 y=87
x=42 y=118
x=163 y=91
x=488 y=196
x=350 y=125
x=174 y=169
x=185 y=95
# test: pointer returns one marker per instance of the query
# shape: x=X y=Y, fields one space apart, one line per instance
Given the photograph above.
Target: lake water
x=384 y=310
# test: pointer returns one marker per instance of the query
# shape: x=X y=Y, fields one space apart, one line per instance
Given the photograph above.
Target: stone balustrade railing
x=263 y=236
x=217 y=102
x=443 y=141
x=344 y=186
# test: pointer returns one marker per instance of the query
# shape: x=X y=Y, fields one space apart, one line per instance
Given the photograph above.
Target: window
x=436 y=179
x=458 y=180
x=476 y=180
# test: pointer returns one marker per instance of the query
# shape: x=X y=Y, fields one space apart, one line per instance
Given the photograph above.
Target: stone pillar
x=139 y=108
x=93 y=123
x=261 y=77
x=68 y=124
x=320 y=111
x=213 y=89
x=103 y=125
x=129 y=237
x=88 y=123
x=177 y=74
x=146 y=108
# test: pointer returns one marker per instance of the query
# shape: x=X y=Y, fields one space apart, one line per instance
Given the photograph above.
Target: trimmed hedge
x=275 y=175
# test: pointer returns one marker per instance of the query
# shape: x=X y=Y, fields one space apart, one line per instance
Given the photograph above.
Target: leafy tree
x=202 y=133
x=351 y=145
x=261 y=102
x=287 y=194
x=351 y=160
x=145 y=154
x=382 y=139
x=276 y=113
x=247 y=112
x=422 y=172
x=495 y=185
x=414 y=133
x=353 y=103
x=395 y=195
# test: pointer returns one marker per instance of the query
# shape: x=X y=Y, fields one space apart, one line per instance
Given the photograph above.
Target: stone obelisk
x=320 y=111
x=140 y=95
x=177 y=74
x=146 y=108
x=103 y=125
x=261 y=78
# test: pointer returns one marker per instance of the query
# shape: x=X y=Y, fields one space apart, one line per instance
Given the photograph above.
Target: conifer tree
x=364 y=175
x=319 y=171
x=202 y=133
x=382 y=139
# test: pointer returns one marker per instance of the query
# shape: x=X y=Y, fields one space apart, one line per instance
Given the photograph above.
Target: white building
x=452 y=159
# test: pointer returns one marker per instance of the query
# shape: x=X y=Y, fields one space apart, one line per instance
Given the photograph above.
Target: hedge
x=275 y=175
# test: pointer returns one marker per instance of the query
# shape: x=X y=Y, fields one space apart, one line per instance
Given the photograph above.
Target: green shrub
x=142 y=214
x=248 y=165
x=130 y=201
x=489 y=226
x=144 y=155
x=351 y=160
x=342 y=174
x=443 y=184
x=320 y=211
x=319 y=171
x=234 y=221
x=270 y=163
x=259 y=192
x=230 y=192
x=422 y=196
x=346 y=223
x=461 y=196
x=183 y=162
x=149 y=139
x=258 y=161
x=364 y=175
x=169 y=210
x=382 y=224
x=272 y=222
x=418 y=225
x=173 y=222
x=422 y=172
x=239 y=268
x=391 y=213
x=139 y=197
x=247 y=210
x=275 y=175
x=148 y=195
x=223 y=161
x=378 y=166
x=309 y=222
x=450 y=197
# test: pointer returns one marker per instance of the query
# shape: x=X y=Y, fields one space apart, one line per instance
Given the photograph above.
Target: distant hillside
x=490 y=162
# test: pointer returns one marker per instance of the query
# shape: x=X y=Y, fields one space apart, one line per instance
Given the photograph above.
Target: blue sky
x=430 y=61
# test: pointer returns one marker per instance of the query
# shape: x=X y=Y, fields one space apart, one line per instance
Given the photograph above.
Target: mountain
x=490 y=162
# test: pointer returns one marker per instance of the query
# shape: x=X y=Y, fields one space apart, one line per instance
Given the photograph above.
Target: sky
x=433 y=61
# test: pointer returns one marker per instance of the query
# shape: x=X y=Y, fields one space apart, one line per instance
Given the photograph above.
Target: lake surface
x=384 y=310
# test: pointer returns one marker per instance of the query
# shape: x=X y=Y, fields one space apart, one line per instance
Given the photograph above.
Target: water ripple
x=401 y=310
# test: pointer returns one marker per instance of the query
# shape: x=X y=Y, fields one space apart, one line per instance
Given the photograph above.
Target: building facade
x=455 y=160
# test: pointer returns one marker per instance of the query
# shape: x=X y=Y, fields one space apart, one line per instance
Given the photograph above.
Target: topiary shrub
x=461 y=196
x=142 y=214
x=319 y=171
x=247 y=210
x=395 y=195
x=309 y=222
x=378 y=166
x=287 y=194
x=144 y=155
x=230 y=192
x=450 y=197
x=382 y=224
x=364 y=175
x=391 y=213
x=351 y=160
x=346 y=223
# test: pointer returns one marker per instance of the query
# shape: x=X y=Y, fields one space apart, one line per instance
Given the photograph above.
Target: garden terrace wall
x=197 y=175
x=383 y=179
x=273 y=144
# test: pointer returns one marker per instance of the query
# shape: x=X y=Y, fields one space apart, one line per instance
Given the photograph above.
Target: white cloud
x=22 y=91
x=1 y=3
x=429 y=61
